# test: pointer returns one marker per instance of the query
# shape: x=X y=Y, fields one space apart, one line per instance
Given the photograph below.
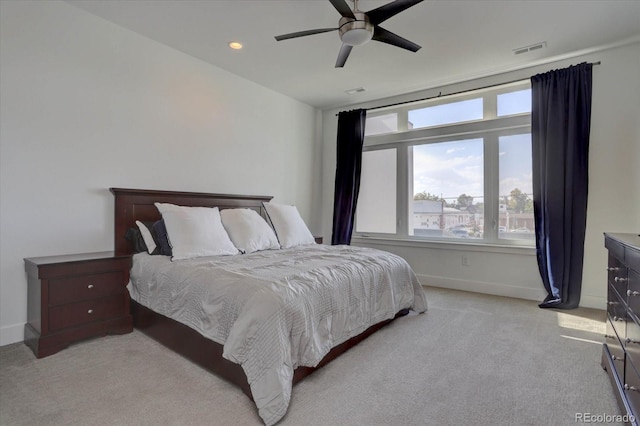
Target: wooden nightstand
x=73 y=297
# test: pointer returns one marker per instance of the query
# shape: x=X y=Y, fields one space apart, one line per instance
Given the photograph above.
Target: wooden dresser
x=621 y=350
x=73 y=297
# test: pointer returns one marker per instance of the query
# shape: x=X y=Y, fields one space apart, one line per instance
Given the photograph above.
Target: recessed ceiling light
x=236 y=45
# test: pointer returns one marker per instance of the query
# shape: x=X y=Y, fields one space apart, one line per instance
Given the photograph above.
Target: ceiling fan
x=357 y=27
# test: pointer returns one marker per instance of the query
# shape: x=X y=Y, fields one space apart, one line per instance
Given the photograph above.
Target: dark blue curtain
x=560 y=125
x=348 y=166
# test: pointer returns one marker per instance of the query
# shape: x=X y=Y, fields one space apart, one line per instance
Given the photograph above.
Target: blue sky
x=450 y=169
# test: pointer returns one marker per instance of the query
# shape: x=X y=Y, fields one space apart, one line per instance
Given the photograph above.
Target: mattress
x=275 y=310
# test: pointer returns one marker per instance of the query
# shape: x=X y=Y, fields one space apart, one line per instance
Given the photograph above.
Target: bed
x=189 y=337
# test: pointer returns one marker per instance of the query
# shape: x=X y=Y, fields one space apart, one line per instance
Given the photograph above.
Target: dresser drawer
x=632 y=386
x=632 y=342
x=74 y=314
x=84 y=287
x=615 y=305
x=614 y=247
x=633 y=292
x=616 y=350
x=617 y=314
x=617 y=276
x=632 y=258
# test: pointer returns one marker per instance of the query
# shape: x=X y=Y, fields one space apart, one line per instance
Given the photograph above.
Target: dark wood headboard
x=137 y=204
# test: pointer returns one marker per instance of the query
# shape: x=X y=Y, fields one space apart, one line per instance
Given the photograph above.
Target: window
x=377 y=192
x=448 y=183
x=380 y=124
x=514 y=102
x=515 y=188
x=454 y=112
x=453 y=168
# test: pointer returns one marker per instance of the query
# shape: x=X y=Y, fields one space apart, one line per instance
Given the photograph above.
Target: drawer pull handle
x=620 y=280
x=632 y=293
x=631 y=388
x=632 y=341
x=612 y=303
x=90 y=311
x=611 y=268
x=616 y=358
x=90 y=286
x=619 y=319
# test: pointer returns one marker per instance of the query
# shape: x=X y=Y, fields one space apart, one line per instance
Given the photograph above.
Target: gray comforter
x=276 y=310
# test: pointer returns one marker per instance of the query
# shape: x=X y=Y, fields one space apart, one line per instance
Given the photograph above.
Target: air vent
x=354 y=91
x=527 y=49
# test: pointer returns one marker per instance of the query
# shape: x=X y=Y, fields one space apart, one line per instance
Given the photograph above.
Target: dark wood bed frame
x=137 y=204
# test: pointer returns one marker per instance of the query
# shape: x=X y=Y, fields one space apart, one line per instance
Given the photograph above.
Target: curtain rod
x=454 y=93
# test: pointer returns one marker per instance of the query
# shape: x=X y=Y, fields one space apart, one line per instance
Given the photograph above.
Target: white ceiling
x=460 y=39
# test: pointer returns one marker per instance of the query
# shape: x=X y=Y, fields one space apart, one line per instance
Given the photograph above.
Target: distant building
x=433 y=218
x=432 y=214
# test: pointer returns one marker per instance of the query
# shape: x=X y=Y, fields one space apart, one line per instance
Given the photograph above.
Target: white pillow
x=289 y=226
x=248 y=231
x=195 y=231
x=146 y=236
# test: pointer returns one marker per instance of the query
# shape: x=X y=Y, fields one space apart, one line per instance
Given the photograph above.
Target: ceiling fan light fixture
x=357 y=36
x=355 y=32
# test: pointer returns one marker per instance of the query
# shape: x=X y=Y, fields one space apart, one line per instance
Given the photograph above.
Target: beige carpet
x=470 y=360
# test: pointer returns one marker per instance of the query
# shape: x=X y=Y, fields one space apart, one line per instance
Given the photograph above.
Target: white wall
x=87 y=105
x=614 y=186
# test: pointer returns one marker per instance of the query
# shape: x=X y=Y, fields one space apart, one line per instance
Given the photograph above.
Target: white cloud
x=452 y=150
x=448 y=177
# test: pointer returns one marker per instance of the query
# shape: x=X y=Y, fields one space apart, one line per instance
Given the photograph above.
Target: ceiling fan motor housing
x=355 y=32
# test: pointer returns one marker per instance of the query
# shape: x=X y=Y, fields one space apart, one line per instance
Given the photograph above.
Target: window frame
x=490 y=129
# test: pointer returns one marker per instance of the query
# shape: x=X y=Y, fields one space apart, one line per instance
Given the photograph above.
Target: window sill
x=448 y=245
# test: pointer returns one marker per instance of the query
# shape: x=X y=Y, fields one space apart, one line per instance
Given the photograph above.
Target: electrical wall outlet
x=465 y=260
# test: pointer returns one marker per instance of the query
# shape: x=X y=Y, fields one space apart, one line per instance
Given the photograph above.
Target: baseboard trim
x=505 y=290
x=495 y=289
x=594 y=302
x=11 y=334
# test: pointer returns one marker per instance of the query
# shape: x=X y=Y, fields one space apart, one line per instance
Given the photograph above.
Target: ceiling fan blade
x=385 y=36
x=384 y=12
x=343 y=55
x=343 y=8
x=303 y=33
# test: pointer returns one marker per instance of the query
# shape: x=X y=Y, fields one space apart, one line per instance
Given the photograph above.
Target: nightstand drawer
x=73 y=314
x=84 y=287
